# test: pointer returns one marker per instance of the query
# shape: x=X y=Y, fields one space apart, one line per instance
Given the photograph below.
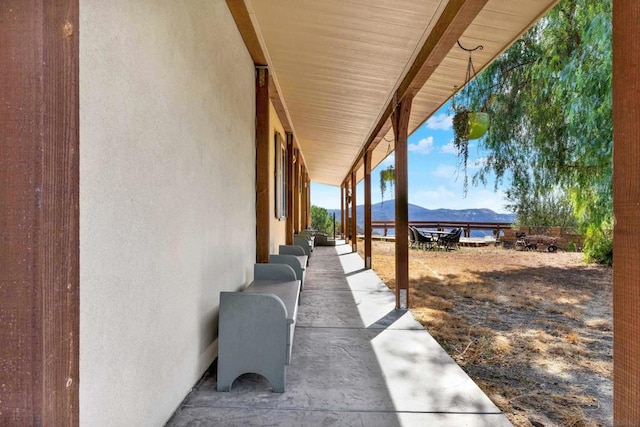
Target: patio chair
x=452 y=240
x=423 y=241
x=412 y=238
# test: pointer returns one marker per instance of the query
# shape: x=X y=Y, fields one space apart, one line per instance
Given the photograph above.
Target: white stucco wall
x=167 y=199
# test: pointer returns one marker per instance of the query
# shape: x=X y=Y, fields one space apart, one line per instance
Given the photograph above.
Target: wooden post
x=626 y=198
x=367 y=209
x=400 y=123
x=296 y=193
x=304 y=203
x=290 y=189
x=39 y=213
x=354 y=208
x=308 y=183
x=342 y=215
x=263 y=143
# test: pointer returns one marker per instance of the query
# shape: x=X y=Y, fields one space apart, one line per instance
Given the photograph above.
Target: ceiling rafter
x=456 y=17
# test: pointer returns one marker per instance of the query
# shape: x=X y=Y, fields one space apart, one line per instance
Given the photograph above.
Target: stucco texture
x=167 y=199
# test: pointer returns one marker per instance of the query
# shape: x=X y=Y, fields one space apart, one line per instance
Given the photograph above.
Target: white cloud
x=445 y=171
x=452 y=198
x=440 y=121
x=449 y=148
x=424 y=146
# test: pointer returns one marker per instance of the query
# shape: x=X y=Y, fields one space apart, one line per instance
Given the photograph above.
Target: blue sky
x=435 y=181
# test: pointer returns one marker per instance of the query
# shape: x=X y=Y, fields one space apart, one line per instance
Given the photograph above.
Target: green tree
x=320 y=220
x=549 y=97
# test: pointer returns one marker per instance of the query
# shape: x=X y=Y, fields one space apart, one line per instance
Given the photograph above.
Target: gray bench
x=294 y=250
x=297 y=262
x=304 y=242
x=256 y=327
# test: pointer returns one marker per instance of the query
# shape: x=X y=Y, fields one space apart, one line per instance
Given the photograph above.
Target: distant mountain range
x=386 y=212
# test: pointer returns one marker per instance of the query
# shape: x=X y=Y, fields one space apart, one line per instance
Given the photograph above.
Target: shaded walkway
x=356 y=361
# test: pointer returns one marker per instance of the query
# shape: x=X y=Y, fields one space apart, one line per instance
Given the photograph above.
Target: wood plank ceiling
x=337 y=64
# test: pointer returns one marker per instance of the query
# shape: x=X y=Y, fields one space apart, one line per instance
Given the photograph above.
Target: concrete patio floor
x=356 y=361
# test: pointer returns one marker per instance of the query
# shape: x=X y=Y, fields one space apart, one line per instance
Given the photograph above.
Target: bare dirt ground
x=533 y=329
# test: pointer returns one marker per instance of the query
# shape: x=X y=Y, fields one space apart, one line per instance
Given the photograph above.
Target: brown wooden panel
x=290 y=189
x=39 y=190
x=367 y=209
x=263 y=144
x=243 y=22
x=342 y=228
x=400 y=121
x=626 y=248
x=354 y=214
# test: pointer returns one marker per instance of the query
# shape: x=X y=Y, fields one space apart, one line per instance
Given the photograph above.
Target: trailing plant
x=551 y=116
x=387 y=177
x=467 y=125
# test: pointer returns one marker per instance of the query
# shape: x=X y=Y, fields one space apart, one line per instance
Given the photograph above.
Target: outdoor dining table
x=435 y=235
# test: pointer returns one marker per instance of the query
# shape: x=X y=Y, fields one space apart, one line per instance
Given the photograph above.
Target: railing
x=495 y=227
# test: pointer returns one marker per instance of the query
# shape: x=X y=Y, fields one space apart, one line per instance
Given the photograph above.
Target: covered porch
x=356 y=361
x=152 y=152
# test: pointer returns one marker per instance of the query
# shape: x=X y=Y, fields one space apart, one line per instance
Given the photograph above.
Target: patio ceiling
x=337 y=64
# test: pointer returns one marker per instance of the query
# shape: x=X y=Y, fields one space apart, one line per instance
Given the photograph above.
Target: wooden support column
x=39 y=213
x=296 y=193
x=263 y=143
x=342 y=215
x=304 y=202
x=290 y=189
x=367 y=209
x=626 y=199
x=308 y=200
x=400 y=123
x=354 y=214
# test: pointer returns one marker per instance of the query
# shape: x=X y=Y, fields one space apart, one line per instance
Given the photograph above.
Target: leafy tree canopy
x=320 y=220
x=549 y=97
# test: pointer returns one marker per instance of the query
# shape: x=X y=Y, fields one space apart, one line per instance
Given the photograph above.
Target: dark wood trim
x=305 y=199
x=354 y=213
x=263 y=144
x=454 y=20
x=400 y=121
x=243 y=21
x=39 y=248
x=626 y=198
x=290 y=188
x=367 y=210
x=342 y=211
x=308 y=200
x=296 y=192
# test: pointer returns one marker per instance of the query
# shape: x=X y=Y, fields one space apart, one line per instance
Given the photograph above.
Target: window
x=280 y=177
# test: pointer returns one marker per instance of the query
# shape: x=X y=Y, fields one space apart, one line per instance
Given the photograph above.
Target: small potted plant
x=387 y=177
x=467 y=125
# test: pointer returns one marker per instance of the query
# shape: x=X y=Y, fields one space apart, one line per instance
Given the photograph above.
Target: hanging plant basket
x=387 y=177
x=478 y=124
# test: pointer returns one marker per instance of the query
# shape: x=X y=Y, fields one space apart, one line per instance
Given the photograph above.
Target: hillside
x=386 y=212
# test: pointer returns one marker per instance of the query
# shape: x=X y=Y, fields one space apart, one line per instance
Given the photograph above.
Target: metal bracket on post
x=261 y=74
x=403 y=299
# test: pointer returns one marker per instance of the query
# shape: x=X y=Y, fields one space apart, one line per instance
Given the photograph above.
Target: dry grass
x=532 y=329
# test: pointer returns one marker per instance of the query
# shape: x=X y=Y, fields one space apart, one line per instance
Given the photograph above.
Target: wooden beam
x=354 y=214
x=342 y=214
x=296 y=193
x=39 y=218
x=263 y=144
x=367 y=209
x=243 y=21
x=290 y=189
x=400 y=121
x=454 y=20
x=626 y=198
